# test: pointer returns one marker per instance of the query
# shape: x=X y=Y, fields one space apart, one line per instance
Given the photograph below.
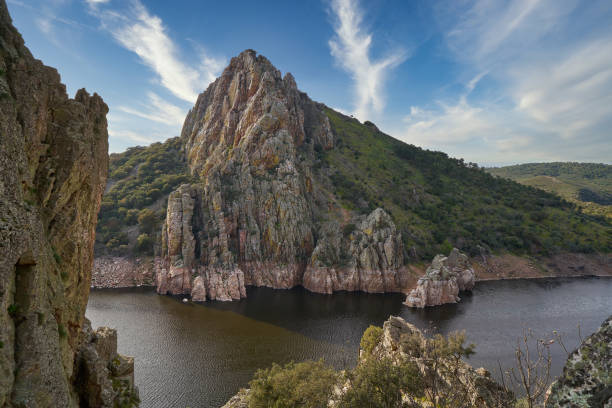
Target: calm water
x=190 y=355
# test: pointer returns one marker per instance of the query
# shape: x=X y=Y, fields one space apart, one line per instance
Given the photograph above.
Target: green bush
x=147 y=221
x=308 y=384
x=370 y=339
x=144 y=244
x=379 y=383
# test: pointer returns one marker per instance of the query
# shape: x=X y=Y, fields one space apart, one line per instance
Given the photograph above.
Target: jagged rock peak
x=248 y=104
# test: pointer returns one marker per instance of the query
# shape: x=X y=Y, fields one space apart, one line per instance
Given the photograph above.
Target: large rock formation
x=443 y=280
x=53 y=165
x=586 y=380
x=261 y=214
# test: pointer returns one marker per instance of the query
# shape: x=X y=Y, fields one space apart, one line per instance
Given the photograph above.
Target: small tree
x=144 y=244
x=445 y=383
x=532 y=371
x=379 y=383
x=370 y=339
x=308 y=384
x=147 y=221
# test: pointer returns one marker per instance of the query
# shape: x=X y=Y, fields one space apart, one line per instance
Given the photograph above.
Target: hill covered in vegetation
x=588 y=185
x=265 y=187
x=437 y=202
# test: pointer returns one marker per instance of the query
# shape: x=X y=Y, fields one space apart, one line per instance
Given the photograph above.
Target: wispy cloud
x=548 y=89
x=158 y=110
x=133 y=136
x=351 y=49
x=145 y=35
x=133 y=27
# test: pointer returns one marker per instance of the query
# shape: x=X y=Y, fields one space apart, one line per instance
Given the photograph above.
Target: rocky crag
x=443 y=280
x=53 y=167
x=261 y=214
x=402 y=342
x=586 y=380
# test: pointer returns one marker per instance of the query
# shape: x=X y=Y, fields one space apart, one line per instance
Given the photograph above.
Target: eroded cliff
x=263 y=213
x=53 y=166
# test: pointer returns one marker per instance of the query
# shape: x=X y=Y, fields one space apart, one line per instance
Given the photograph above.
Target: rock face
x=53 y=165
x=587 y=376
x=398 y=343
x=369 y=258
x=261 y=215
x=443 y=280
x=105 y=378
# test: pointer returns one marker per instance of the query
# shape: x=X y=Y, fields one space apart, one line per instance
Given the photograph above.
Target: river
x=199 y=355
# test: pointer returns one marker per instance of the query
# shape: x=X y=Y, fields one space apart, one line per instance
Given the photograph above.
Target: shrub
x=147 y=221
x=379 y=383
x=348 y=229
x=370 y=339
x=144 y=244
x=308 y=384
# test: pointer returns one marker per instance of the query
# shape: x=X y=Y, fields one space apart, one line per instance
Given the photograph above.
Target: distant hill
x=589 y=185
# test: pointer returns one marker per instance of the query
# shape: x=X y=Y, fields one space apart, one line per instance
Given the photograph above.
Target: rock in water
x=443 y=280
x=261 y=213
x=586 y=380
x=53 y=166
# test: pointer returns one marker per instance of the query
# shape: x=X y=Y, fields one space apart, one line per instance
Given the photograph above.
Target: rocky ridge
x=53 y=167
x=586 y=380
x=443 y=280
x=260 y=214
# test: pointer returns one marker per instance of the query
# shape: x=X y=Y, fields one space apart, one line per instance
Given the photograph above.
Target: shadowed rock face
x=443 y=280
x=587 y=376
x=261 y=214
x=53 y=165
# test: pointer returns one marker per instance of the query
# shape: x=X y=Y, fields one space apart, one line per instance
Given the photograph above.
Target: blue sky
x=495 y=82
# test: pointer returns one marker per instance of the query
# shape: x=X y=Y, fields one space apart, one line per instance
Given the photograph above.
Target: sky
x=494 y=82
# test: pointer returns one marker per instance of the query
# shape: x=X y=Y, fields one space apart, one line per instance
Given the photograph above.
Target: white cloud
x=44 y=25
x=351 y=49
x=123 y=134
x=158 y=110
x=145 y=35
x=549 y=71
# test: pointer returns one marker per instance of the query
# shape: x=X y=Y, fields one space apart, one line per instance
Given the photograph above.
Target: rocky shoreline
x=124 y=272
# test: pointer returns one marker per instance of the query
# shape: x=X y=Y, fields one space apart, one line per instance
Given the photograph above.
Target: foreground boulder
x=587 y=375
x=443 y=280
x=53 y=166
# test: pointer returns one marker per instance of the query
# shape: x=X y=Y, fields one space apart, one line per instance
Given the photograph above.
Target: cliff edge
x=53 y=167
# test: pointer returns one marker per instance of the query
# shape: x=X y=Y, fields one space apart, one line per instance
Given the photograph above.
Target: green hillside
x=589 y=185
x=437 y=202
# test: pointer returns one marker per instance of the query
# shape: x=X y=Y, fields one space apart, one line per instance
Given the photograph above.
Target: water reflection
x=200 y=355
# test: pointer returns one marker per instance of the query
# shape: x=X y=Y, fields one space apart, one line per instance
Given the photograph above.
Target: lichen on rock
x=586 y=380
x=53 y=167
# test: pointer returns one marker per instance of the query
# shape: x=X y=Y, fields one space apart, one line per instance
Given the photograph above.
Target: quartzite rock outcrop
x=586 y=380
x=53 y=166
x=443 y=280
x=403 y=342
x=262 y=214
